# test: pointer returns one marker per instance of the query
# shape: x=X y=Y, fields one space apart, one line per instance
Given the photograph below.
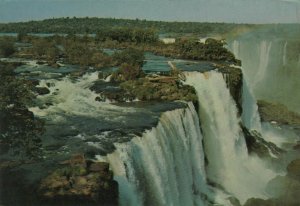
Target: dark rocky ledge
x=257 y=145
x=277 y=112
x=79 y=182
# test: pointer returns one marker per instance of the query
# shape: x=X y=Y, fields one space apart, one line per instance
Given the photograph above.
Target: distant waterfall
x=165 y=166
x=284 y=54
x=264 y=53
x=228 y=162
x=271 y=67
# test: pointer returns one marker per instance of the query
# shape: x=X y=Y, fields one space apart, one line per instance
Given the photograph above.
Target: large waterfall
x=166 y=165
x=229 y=165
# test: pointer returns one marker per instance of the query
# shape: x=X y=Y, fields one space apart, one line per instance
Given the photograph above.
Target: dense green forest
x=96 y=25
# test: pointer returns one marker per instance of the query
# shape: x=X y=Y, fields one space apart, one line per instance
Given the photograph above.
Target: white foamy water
x=228 y=161
x=73 y=97
x=165 y=166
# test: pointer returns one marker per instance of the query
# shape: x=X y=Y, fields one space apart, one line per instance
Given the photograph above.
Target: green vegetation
x=127 y=72
x=7 y=47
x=130 y=62
x=130 y=56
x=160 y=89
x=211 y=50
x=43 y=49
x=102 y=25
x=127 y=35
x=131 y=39
x=19 y=130
x=81 y=54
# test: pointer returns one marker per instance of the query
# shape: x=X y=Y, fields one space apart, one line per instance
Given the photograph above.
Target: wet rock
x=103 y=75
x=34 y=82
x=40 y=62
x=234 y=201
x=50 y=84
x=54 y=65
x=256 y=144
x=284 y=189
x=4 y=164
x=99 y=167
x=80 y=182
x=293 y=169
x=261 y=202
x=41 y=90
x=99 y=99
x=297 y=146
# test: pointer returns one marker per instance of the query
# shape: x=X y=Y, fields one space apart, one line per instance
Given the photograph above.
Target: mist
x=271 y=63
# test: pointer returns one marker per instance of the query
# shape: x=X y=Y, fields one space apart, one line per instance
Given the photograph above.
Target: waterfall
x=250 y=115
x=236 y=48
x=264 y=51
x=228 y=162
x=284 y=54
x=165 y=166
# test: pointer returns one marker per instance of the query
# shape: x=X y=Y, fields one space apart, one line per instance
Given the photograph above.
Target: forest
x=95 y=25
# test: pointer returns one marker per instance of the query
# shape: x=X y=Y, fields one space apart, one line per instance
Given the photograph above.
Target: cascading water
x=284 y=54
x=264 y=52
x=250 y=115
x=165 y=166
x=228 y=162
x=73 y=97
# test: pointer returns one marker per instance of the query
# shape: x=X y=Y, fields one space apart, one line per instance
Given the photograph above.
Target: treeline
x=98 y=25
x=134 y=35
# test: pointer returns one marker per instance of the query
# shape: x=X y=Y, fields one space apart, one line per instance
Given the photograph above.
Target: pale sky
x=237 y=11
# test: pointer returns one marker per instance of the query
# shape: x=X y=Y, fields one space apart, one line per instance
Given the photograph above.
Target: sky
x=232 y=11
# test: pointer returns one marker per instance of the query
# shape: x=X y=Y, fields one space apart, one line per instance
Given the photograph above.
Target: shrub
x=6 y=47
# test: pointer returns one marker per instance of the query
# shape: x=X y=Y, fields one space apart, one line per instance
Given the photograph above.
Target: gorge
x=215 y=150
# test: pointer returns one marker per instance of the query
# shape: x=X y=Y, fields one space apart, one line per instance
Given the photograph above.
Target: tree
x=130 y=56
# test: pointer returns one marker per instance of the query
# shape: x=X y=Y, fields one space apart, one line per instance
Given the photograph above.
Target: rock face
x=293 y=169
x=234 y=81
x=41 y=90
x=261 y=202
x=277 y=112
x=159 y=89
x=256 y=144
x=284 y=189
x=80 y=182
